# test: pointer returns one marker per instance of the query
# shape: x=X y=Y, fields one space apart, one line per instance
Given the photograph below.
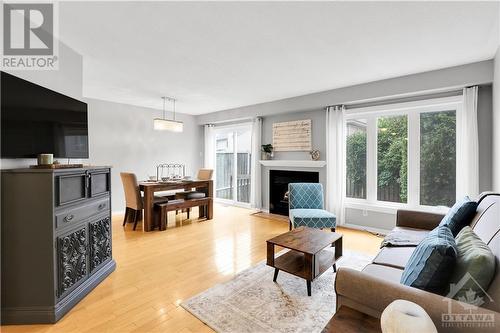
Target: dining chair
x=203 y=174
x=306 y=207
x=133 y=200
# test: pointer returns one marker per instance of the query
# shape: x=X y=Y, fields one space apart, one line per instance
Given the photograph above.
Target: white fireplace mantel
x=293 y=163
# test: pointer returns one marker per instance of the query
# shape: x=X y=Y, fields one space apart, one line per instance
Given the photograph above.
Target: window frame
x=412 y=110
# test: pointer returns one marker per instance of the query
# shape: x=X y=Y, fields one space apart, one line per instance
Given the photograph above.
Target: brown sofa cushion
x=386 y=273
x=394 y=256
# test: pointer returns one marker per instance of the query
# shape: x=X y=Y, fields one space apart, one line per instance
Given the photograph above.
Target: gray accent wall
x=122 y=136
x=477 y=73
x=318 y=128
x=485 y=129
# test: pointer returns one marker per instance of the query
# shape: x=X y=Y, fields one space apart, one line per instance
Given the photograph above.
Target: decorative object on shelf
x=315 y=155
x=267 y=151
x=406 y=317
x=45 y=159
x=292 y=135
x=162 y=124
x=174 y=171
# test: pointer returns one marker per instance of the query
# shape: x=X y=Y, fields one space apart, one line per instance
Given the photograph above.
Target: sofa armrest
x=418 y=220
x=373 y=295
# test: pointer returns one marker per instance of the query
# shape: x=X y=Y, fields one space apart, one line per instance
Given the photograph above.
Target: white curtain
x=209 y=147
x=255 y=180
x=468 y=146
x=335 y=157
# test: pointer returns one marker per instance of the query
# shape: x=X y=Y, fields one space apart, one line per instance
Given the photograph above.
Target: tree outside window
x=438 y=158
x=356 y=159
x=436 y=152
x=392 y=159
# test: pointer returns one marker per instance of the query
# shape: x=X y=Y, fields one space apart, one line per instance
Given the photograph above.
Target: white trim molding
x=293 y=163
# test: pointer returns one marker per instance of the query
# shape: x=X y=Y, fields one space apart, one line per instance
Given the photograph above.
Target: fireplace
x=278 y=187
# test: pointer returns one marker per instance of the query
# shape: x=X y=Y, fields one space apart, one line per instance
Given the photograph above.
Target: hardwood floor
x=156 y=271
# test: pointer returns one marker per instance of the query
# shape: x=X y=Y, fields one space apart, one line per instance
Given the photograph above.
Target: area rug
x=252 y=302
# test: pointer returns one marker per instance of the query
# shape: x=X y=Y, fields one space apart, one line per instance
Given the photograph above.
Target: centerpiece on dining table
x=170 y=172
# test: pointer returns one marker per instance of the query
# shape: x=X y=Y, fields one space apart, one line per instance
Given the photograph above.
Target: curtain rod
x=229 y=121
x=403 y=99
x=408 y=97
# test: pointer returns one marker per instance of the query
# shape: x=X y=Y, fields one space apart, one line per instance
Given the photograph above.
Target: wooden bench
x=162 y=208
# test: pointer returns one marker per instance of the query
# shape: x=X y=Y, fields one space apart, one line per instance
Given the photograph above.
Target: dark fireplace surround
x=278 y=187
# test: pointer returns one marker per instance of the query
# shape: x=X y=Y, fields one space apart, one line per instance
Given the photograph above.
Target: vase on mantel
x=266 y=156
x=267 y=151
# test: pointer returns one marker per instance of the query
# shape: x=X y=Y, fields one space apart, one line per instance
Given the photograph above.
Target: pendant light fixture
x=163 y=124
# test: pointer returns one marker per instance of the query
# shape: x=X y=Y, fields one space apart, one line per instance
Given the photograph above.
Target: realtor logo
x=28 y=36
x=471 y=315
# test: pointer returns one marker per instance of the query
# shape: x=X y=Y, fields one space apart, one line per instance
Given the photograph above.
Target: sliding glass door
x=233 y=147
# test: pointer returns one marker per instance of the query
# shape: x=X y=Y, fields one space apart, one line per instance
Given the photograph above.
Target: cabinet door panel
x=72 y=188
x=100 y=242
x=99 y=183
x=72 y=260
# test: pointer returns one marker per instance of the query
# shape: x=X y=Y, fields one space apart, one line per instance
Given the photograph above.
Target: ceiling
x=213 y=56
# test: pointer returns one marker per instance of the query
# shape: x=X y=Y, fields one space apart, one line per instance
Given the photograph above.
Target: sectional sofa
x=378 y=284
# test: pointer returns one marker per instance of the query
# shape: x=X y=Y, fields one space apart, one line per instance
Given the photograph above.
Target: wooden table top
x=172 y=184
x=305 y=240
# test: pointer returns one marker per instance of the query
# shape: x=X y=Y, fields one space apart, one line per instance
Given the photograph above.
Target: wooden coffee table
x=308 y=257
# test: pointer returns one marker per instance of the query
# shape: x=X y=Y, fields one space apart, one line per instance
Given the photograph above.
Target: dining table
x=150 y=187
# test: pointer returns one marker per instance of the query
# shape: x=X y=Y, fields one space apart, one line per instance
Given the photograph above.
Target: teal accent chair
x=306 y=207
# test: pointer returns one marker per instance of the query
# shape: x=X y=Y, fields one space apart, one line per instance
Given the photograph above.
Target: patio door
x=233 y=146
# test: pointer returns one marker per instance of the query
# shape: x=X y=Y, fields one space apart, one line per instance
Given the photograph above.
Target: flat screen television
x=37 y=120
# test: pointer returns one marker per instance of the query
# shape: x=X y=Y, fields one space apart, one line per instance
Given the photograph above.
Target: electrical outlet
x=365 y=212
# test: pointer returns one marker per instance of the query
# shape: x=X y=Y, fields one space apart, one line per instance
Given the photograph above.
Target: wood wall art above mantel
x=292 y=135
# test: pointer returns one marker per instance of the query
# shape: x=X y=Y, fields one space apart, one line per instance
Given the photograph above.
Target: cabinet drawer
x=71 y=188
x=81 y=213
x=99 y=183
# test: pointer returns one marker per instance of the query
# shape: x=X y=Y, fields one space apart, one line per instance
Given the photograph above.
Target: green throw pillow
x=473 y=257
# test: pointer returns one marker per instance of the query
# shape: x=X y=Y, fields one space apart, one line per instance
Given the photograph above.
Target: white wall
x=122 y=136
x=496 y=123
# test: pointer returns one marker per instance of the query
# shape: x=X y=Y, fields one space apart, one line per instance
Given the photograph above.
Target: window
x=438 y=158
x=356 y=158
x=402 y=154
x=233 y=163
x=392 y=159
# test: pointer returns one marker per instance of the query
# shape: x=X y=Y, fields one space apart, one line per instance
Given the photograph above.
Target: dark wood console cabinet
x=56 y=240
